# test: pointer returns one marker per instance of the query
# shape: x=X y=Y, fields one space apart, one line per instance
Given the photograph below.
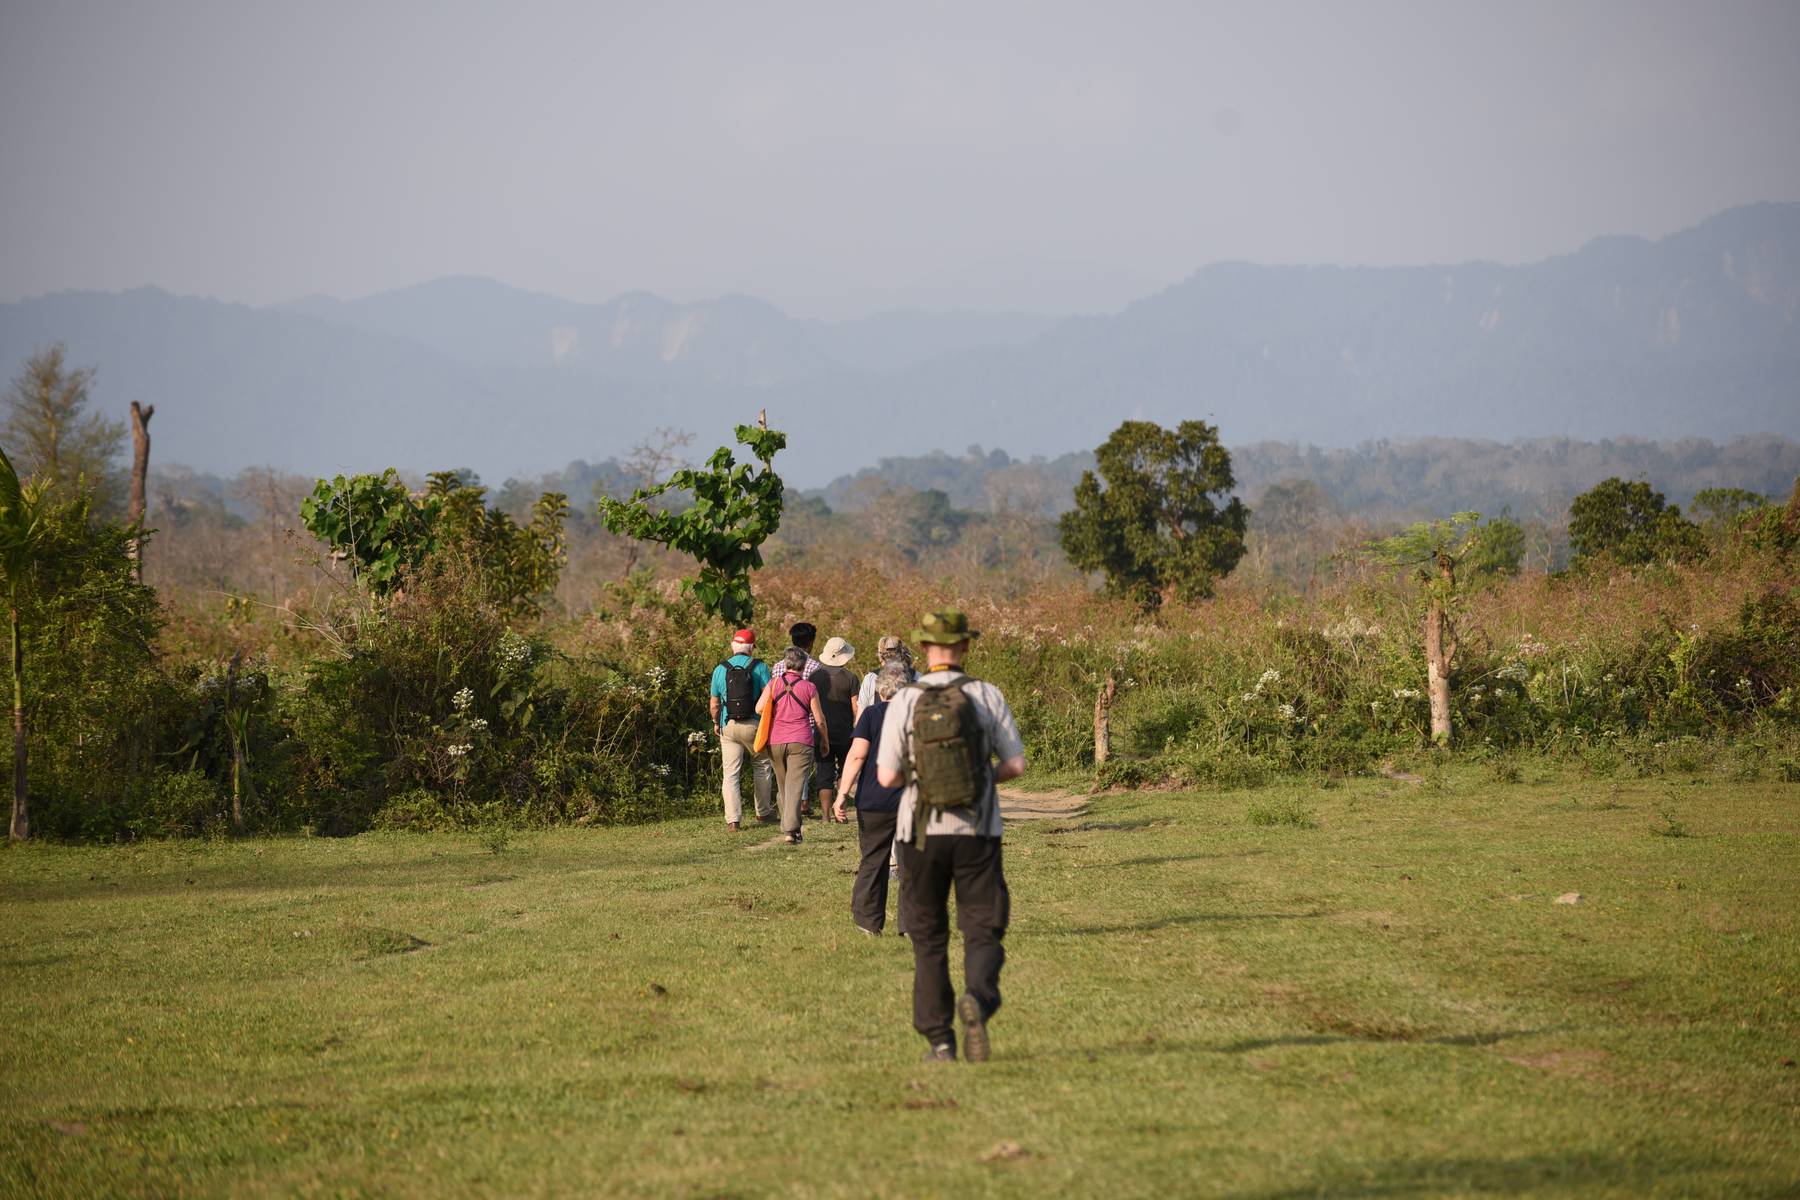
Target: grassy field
x=1365 y=990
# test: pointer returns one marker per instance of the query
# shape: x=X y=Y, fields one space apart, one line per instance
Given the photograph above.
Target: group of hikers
x=920 y=752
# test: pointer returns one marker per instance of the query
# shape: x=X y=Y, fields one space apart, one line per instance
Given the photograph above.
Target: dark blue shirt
x=870 y=795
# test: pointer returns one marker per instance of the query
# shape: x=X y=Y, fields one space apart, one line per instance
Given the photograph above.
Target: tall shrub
x=735 y=509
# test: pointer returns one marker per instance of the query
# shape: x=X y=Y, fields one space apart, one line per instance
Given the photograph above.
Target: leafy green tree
x=1497 y=551
x=1630 y=522
x=373 y=523
x=1719 y=510
x=520 y=564
x=1775 y=528
x=383 y=531
x=1434 y=550
x=24 y=535
x=735 y=509
x=56 y=440
x=81 y=629
x=1155 y=519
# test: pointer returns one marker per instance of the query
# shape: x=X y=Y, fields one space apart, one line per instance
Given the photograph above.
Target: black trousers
x=868 y=898
x=972 y=866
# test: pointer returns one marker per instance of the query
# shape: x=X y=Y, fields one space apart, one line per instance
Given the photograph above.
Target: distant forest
x=1376 y=481
x=987 y=516
x=1382 y=480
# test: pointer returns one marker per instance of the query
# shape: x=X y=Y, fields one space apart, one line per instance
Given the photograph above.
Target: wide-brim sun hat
x=945 y=627
x=837 y=652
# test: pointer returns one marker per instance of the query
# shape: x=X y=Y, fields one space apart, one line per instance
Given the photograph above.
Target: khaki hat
x=945 y=627
x=837 y=652
x=889 y=644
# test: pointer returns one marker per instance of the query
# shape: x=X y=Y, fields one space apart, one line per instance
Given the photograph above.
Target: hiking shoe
x=975 y=1037
x=942 y=1052
x=731 y=827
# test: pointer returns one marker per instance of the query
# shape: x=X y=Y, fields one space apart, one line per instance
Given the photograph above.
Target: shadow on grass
x=1111 y=826
x=244 y=878
x=246 y=881
x=1181 y=919
x=1490 y=1038
x=42 y=960
x=1152 y=860
x=1574 y=1170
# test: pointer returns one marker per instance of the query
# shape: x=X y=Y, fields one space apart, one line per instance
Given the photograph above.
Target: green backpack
x=950 y=753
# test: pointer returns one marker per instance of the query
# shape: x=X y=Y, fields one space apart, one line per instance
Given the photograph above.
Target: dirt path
x=1035 y=806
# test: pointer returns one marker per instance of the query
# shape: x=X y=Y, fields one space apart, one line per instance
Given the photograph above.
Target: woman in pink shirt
x=794 y=724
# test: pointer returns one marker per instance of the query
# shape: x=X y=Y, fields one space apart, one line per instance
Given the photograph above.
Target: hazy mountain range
x=1695 y=334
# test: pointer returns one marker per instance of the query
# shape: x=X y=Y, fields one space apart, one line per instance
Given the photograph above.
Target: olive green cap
x=945 y=627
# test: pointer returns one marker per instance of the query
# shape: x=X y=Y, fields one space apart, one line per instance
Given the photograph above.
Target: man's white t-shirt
x=895 y=754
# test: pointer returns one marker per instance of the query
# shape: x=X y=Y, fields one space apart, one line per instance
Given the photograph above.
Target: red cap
x=745 y=635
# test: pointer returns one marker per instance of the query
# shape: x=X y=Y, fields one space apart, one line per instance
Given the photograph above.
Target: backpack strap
x=787 y=693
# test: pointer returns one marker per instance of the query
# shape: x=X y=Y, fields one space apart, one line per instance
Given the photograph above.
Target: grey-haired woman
x=796 y=725
x=877 y=807
x=888 y=649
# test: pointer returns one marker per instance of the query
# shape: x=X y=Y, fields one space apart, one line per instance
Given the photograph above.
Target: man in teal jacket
x=736 y=683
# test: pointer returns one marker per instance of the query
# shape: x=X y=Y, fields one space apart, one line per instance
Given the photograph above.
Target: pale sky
x=838 y=158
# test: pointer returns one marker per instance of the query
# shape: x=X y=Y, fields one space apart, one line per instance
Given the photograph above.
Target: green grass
x=1282 y=810
x=1386 y=1004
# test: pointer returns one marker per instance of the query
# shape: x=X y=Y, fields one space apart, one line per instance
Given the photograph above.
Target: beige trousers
x=794 y=767
x=735 y=741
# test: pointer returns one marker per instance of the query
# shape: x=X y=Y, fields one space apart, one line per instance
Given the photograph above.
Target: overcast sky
x=842 y=157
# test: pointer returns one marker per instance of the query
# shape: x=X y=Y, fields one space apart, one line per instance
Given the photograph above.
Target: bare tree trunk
x=238 y=776
x=237 y=798
x=21 y=813
x=1109 y=692
x=140 y=468
x=1440 y=650
x=271 y=512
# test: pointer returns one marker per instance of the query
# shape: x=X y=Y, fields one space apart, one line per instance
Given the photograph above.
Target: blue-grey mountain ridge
x=1697 y=334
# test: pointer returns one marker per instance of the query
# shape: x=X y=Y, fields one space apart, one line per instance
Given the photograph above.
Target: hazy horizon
x=837 y=162
x=848 y=317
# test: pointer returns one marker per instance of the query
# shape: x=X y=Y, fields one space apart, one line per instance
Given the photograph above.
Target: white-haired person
x=887 y=649
x=736 y=684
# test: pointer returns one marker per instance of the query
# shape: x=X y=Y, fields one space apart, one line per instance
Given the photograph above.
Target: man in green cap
x=947 y=741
